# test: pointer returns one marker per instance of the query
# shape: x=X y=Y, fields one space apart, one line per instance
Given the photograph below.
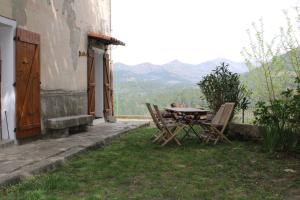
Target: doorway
x=99 y=104
x=7 y=48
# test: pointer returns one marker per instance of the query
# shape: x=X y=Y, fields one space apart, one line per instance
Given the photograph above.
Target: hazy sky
x=191 y=31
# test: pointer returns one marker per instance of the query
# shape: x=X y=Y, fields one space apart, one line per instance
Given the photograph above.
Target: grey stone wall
x=245 y=131
x=59 y=103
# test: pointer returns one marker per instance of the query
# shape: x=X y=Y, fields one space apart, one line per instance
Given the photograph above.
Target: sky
x=192 y=31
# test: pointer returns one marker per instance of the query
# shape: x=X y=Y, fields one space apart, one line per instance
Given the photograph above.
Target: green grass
x=134 y=168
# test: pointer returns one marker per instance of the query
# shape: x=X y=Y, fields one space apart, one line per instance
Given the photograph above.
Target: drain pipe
x=6 y=126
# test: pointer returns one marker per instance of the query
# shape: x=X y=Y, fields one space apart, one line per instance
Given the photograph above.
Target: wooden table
x=188 y=111
x=196 y=112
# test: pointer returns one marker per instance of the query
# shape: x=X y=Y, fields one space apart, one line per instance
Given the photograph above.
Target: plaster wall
x=63 y=26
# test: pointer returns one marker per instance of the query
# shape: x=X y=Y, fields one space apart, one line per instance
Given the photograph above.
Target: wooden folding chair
x=168 y=133
x=215 y=129
x=159 y=135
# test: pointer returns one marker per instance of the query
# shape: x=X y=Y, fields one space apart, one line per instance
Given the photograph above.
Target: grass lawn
x=134 y=168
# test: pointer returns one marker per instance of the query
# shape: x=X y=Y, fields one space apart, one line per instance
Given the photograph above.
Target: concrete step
x=6 y=143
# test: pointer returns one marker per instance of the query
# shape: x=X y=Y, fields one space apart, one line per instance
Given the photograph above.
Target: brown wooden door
x=91 y=82
x=28 y=120
x=107 y=84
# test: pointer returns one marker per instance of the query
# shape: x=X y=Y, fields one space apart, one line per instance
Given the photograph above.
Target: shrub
x=283 y=140
x=222 y=86
x=275 y=62
x=281 y=118
x=283 y=112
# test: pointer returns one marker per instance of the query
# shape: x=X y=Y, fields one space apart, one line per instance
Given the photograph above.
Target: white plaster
x=99 y=82
x=7 y=45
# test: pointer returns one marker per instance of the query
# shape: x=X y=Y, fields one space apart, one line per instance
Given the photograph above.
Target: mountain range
x=171 y=73
x=134 y=85
x=176 y=82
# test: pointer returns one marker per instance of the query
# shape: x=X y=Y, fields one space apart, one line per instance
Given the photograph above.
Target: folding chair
x=215 y=129
x=168 y=133
x=159 y=135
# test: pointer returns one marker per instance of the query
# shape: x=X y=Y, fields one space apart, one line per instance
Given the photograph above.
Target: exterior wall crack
x=19 y=11
x=75 y=32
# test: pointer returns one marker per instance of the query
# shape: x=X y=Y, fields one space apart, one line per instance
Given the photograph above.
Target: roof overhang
x=105 y=39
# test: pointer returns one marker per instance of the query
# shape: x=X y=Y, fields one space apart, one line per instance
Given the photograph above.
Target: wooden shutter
x=28 y=120
x=108 y=90
x=91 y=82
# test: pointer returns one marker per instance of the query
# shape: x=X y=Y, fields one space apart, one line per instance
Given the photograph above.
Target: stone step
x=6 y=143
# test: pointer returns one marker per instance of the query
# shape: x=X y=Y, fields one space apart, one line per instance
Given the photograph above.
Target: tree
x=222 y=86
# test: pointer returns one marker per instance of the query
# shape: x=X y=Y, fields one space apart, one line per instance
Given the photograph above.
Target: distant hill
x=173 y=72
x=162 y=84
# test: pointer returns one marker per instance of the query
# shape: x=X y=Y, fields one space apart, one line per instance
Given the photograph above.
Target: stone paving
x=19 y=162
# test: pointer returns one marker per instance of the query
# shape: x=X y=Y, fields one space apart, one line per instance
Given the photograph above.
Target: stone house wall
x=63 y=26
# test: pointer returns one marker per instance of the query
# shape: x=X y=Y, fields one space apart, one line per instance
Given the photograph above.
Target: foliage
x=222 y=86
x=135 y=168
x=284 y=140
x=281 y=117
x=130 y=99
x=244 y=104
x=280 y=111
x=265 y=63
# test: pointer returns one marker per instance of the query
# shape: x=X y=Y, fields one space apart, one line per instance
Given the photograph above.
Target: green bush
x=223 y=86
x=283 y=140
x=283 y=112
x=281 y=118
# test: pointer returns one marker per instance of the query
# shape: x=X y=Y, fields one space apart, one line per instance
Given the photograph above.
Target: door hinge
x=15 y=130
x=14 y=84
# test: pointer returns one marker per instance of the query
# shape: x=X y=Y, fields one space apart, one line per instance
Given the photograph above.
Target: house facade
x=55 y=63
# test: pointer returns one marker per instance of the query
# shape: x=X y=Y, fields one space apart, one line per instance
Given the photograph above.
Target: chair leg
x=216 y=141
x=177 y=131
x=160 y=135
x=177 y=141
x=220 y=135
x=172 y=136
x=157 y=134
x=225 y=138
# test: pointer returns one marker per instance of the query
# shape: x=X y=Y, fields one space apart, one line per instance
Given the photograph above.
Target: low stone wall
x=58 y=103
x=245 y=131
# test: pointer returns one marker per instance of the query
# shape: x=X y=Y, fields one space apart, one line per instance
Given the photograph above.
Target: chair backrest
x=228 y=111
x=226 y=115
x=216 y=119
x=154 y=116
x=160 y=118
x=223 y=115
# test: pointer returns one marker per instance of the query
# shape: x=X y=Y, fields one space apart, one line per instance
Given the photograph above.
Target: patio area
x=135 y=168
x=20 y=161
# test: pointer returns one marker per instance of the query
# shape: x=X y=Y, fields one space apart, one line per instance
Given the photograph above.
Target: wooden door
x=28 y=120
x=108 y=90
x=91 y=82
